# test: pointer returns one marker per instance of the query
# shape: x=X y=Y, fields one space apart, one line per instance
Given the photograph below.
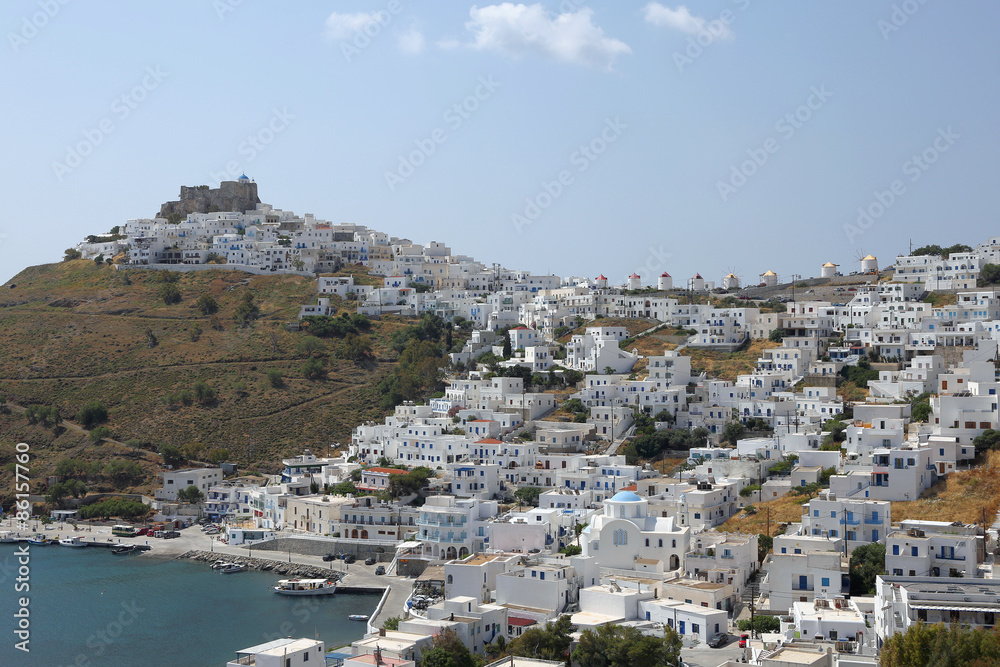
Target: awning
x=935 y=607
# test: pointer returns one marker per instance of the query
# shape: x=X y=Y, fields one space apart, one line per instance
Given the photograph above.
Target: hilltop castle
x=238 y=195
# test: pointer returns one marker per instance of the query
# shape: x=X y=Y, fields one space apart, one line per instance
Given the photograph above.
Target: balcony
x=949 y=557
x=852 y=522
x=875 y=521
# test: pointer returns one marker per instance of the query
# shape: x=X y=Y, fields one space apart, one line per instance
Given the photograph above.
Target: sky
x=571 y=137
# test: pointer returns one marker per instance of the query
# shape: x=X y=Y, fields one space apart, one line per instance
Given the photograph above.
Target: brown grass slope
x=74 y=332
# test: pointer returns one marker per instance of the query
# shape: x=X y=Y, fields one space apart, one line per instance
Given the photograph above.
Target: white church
x=625 y=537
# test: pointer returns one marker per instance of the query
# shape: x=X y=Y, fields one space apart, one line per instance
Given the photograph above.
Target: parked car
x=719 y=640
x=380 y=569
x=370 y=560
x=169 y=534
x=329 y=557
x=350 y=558
x=744 y=638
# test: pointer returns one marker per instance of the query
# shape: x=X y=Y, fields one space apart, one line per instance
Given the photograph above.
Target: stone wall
x=237 y=196
x=314 y=547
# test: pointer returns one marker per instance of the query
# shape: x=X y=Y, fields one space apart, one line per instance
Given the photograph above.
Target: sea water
x=89 y=608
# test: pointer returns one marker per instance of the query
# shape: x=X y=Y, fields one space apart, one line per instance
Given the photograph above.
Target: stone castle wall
x=229 y=196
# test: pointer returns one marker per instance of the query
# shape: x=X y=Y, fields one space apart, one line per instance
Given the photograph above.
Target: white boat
x=358 y=617
x=305 y=587
x=232 y=568
x=221 y=564
x=74 y=541
x=7 y=536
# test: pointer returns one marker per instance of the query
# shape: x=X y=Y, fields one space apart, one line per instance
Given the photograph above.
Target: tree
x=989 y=274
x=71 y=254
x=246 y=312
x=356 y=348
x=92 y=414
x=571 y=550
x=989 y=439
x=776 y=335
x=611 y=645
x=507 y=351
x=123 y=473
x=171 y=455
x=100 y=433
x=204 y=393
x=392 y=623
x=764 y=545
x=551 y=642
x=924 y=645
x=274 y=378
x=448 y=650
x=207 y=305
x=217 y=455
x=867 y=562
x=310 y=346
x=761 y=623
x=169 y=293
x=191 y=494
x=314 y=369
x=733 y=431
x=528 y=495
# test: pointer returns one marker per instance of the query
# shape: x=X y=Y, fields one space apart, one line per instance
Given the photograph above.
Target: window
x=825 y=581
x=895 y=549
x=660 y=543
x=913 y=551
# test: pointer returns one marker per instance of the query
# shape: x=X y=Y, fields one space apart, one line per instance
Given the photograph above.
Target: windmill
x=732 y=278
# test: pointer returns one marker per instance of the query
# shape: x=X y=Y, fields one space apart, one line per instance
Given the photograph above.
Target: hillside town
x=566 y=472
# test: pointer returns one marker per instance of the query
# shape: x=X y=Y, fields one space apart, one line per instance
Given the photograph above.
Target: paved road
x=703 y=656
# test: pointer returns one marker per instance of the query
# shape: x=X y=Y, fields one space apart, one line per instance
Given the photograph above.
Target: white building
x=626 y=532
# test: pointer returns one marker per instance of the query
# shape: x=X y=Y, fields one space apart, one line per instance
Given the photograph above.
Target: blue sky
x=572 y=137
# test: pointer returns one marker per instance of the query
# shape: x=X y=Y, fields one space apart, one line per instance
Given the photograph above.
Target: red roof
x=519 y=329
x=664 y=275
x=520 y=622
x=489 y=441
x=601 y=277
x=697 y=276
x=635 y=275
x=480 y=420
x=630 y=487
x=386 y=471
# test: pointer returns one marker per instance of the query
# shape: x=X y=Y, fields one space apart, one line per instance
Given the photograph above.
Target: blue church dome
x=625 y=497
x=244 y=177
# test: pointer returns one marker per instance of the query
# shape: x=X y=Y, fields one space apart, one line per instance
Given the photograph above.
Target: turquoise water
x=91 y=609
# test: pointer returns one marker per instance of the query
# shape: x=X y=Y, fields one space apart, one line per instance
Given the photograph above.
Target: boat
x=74 y=541
x=221 y=564
x=124 y=550
x=7 y=536
x=39 y=540
x=358 y=617
x=305 y=587
x=232 y=568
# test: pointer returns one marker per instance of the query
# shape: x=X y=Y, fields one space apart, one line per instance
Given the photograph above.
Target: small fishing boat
x=124 y=550
x=75 y=541
x=305 y=587
x=357 y=617
x=232 y=568
x=221 y=564
x=39 y=540
x=7 y=536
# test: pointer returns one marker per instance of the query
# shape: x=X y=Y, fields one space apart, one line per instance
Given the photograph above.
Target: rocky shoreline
x=264 y=565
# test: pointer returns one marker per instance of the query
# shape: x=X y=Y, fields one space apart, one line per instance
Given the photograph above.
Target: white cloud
x=411 y=42
x=343 y=26
x=570 y=37
x=681 y=19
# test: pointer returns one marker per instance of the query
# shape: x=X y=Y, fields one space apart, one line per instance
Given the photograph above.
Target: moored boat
x=124 y=550
x=7 y=536
x=232 y=568
x=74 y=541
x=358 y=617
x=305 y=587
x=221 y=564
x=39 y=540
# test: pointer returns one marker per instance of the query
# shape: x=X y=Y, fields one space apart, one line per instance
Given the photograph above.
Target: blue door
x=803 y=582
x=681 y=624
